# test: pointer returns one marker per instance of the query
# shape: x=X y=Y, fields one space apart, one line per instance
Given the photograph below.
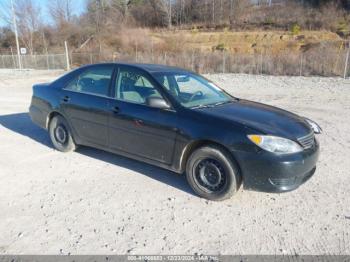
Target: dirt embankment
x=273 y=42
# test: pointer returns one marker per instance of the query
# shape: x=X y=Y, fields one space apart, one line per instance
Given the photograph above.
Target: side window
x=143 y=82
x=134 y=86
x=162 y=79
x=93 y=80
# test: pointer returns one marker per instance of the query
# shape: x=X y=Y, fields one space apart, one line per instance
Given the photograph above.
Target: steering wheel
x=197 y=93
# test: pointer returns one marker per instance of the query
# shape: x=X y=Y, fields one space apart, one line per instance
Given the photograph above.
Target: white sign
x=23 y=51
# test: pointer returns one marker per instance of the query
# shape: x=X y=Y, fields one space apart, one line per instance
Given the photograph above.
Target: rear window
x=94 y=80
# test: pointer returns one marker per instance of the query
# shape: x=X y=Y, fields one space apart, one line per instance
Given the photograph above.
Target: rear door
x=136 y=128
x=85 y=102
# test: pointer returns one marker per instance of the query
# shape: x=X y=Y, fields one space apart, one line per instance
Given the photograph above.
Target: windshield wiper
x=215 y=104
x=201 y=106
x=222 y=103
x=211 y=105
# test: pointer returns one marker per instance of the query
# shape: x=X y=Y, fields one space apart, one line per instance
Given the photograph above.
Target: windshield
x=192 y=90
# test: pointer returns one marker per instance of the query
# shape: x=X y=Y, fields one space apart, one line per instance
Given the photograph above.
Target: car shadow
x=22 y=124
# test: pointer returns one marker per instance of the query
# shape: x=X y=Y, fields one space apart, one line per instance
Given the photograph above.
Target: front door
x=136 y=128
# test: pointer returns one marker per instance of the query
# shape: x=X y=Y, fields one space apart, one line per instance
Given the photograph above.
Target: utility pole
x=16 y=34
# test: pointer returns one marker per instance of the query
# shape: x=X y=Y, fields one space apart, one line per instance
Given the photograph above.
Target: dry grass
x=323 y=61
x=244 y=42
x=254 y=52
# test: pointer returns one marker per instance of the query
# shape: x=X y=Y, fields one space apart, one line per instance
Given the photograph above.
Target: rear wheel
x=212 y=173
x=60 y=134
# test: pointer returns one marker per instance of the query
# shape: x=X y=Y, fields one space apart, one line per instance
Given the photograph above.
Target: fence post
x=136 y=52
x=67 y=55
x=192 y=61
x=47 y=61
x=223 y=62
x=13 y=58
x=152 y=55
x=301 y=65
x=36 y=62
x=347 y=61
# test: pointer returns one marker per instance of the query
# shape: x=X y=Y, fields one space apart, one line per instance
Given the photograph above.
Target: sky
x=78 y=7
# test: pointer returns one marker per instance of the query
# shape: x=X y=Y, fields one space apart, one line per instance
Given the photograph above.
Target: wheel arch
x=193 y=146
x=54 y=113
x=50 y=116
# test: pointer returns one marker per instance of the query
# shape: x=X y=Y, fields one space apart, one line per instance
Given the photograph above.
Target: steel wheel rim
x=210 y=175
x=61 y=134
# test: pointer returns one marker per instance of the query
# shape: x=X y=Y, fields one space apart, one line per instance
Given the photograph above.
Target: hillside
x=273 y=42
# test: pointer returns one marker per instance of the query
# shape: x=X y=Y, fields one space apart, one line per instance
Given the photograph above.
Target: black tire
x=212 y=173
x=60 y=134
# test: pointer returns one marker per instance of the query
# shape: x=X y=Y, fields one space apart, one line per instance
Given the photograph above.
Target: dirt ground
x=93 y=202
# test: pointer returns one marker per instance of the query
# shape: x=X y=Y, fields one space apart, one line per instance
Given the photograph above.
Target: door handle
x=65 y=99
x=138 y=122
x=116 y=110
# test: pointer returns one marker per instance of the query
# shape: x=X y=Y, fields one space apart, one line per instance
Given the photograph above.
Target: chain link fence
x=317 y=62
x=45 y=62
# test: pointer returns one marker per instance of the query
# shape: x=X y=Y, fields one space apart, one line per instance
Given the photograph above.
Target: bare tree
x=98 y=17
x=29 y=22
x=121 y=6
x=27 y=15
x=169 y=13
x=61 y=11
x=124 y=6
x=159 y=6
x=213 y=12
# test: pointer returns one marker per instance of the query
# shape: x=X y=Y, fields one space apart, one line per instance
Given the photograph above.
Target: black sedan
x=178 y=120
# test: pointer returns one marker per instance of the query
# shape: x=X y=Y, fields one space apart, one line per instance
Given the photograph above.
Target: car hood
x=264 y=118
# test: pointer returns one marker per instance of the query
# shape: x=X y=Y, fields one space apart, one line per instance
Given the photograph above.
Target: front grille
x=307 y=141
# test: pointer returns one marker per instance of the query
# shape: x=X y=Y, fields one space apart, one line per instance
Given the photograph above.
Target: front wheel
x=60 y=134
x=212 y=173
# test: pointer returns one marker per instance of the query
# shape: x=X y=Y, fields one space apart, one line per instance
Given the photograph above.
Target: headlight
x=275 y=144
x=317 y=129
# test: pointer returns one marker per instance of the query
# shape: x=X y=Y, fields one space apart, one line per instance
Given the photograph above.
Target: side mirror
x=157 y=102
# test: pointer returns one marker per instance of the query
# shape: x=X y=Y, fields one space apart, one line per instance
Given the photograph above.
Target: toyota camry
x=178 y=120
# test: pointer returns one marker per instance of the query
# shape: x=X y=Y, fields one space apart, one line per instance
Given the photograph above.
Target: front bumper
x=267 y=172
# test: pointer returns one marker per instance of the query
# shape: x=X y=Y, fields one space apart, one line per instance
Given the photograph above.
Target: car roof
x=151 y=68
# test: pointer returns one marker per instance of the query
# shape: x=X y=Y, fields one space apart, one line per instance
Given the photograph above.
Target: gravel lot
x=93 y=202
